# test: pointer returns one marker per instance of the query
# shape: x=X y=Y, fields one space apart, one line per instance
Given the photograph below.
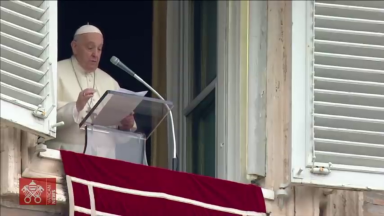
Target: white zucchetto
x=87 y=29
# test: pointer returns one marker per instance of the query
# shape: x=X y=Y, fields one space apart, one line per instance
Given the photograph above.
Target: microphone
x=122 y=66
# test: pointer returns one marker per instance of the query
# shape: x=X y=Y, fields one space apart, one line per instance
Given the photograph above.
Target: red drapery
x=176 y=193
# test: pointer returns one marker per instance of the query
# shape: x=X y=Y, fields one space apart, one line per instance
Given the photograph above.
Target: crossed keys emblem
x=32 y=190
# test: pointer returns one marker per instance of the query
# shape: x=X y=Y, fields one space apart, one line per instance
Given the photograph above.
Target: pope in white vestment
x=80 y=85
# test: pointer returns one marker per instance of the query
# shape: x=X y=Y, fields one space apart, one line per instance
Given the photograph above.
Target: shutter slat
x=349 y=85
x=22 y=45
x=343 y=60
x=365 y=3
x=21 y=94
x=25 y=84
x=348 y=122
x=342 y=134
x=347 y=147
x=351 y=159
x=23 y=8
x=361 y=74
x=21 y=32
x=20 y=19
x=352 y=98
x=341 y=10
x=349 y=48
x=36 y=3
x=349 y=36
x=18 y=102
x=21 y=70
x=339 y=109
x=349 y=23
x=21 y=57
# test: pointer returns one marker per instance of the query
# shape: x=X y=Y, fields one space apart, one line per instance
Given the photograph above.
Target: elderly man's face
x=87 y=48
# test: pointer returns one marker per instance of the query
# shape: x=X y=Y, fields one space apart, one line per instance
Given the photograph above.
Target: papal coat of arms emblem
x=37 y=191
x=34 y=191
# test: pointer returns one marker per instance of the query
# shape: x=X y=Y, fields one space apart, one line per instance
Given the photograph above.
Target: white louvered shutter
x=29 y=65
x=338 y=94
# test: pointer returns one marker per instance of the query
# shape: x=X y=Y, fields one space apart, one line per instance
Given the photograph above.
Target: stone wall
x=373 y=203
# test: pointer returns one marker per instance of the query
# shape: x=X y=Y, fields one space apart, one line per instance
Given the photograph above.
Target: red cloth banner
x=122 y=188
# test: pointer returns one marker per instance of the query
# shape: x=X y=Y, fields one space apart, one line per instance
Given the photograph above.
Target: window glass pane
x=204 y=44
x=201 y=139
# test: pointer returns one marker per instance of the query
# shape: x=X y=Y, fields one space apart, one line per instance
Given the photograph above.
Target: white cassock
x=72 y=79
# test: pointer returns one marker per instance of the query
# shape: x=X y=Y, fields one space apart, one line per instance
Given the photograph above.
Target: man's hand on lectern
x=128 y=122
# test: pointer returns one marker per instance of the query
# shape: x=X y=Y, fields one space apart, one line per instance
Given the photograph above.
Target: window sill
x=51 y=154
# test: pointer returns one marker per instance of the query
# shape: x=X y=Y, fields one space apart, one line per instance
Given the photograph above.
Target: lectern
x=101 y=124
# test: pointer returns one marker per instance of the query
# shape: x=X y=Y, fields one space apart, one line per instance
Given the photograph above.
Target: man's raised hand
x=83 y=98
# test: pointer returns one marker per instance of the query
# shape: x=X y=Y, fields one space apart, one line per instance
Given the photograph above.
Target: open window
x=28 y=65
x=338 y=94
x=200 y=111
x=211 y=79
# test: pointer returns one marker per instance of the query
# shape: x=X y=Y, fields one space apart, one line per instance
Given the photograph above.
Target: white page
x=142 y=94
x=117 y=107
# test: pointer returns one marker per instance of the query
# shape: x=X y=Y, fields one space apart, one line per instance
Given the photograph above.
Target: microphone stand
x=118 y=63
x=174 y=158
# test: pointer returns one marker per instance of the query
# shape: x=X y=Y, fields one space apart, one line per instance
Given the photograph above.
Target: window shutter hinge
x=321 y=170
x=41 y=113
